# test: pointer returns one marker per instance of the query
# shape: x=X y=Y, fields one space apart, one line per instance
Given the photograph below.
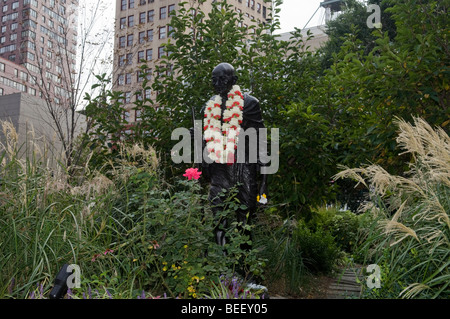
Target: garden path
x=346 y=285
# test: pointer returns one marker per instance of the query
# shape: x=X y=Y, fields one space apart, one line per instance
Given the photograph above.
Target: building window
x=171 y=8
x=142 y=17
x=148 y=94
x=150 y=35
x=131 y=21
x=123 y=5
x=140 y=56
x=120 y=79
x=138 y=114
x=150 y=15
x=162 y=32
x=123 y=23
x=129 y=40
x=129 y=58
x=161 y=52
x=121 y=60
x=130 y=4
x=128 y=78
x=149 y=54
x=142 y=37
x=122 y=42
x=127 y=98
x=162 y=13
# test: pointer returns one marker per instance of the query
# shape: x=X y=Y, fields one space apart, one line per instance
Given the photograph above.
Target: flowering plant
x=192 y=173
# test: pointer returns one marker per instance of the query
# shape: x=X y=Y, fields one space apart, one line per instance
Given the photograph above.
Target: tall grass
x=409 y=238
x=48 y=219
x=125 y=227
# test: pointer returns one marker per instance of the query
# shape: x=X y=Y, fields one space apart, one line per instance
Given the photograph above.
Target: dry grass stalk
x=431 y=166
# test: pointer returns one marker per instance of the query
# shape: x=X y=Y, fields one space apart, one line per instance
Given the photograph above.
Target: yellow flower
x=194 y=295
x=185 y=246
x=195 y=278
x=165 y=268
x=134 y=259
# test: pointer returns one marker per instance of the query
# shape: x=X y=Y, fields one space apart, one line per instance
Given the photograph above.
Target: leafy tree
x=404 y=77
x=354 y=15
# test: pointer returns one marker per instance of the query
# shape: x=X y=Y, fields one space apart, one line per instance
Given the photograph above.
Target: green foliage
x=307 y=160
x=284 y=258
x=132 y=227
x=295 y=250
x=413 y=65
x=318 y=248
x=343 y=225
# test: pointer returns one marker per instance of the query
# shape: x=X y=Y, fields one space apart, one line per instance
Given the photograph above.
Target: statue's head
x=223 y=78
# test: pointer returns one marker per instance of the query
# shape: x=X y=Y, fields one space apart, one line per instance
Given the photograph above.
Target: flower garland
x=222 y=137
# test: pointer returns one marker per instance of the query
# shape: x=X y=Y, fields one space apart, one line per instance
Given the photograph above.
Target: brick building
x=38 y=40
x=38 y=47
x=141 y=29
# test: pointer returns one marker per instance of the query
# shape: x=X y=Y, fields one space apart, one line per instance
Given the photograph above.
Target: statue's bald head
x=223 y=78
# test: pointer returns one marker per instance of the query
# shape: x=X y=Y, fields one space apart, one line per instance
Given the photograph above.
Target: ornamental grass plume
x=412 y=226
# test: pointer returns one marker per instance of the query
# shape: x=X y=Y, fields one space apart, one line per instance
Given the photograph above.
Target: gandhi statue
x=226 y=117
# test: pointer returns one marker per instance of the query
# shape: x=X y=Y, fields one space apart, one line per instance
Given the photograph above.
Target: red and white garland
x=222 y=136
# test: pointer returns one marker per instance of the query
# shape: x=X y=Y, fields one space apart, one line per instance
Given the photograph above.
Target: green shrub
x=343 y=226
x=317 y=248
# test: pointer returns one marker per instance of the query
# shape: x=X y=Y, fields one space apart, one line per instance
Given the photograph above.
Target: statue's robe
x=245 y=174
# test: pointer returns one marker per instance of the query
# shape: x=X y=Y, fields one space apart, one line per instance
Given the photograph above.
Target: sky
x=296 y=13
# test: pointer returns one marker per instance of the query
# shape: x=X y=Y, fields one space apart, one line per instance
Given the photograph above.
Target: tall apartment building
x=38 y=41
x=141 y=29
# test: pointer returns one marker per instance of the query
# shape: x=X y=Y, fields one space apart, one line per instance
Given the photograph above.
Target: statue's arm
x=253 y=118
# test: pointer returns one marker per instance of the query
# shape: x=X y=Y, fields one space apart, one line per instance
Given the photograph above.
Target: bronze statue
x=226 y=117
